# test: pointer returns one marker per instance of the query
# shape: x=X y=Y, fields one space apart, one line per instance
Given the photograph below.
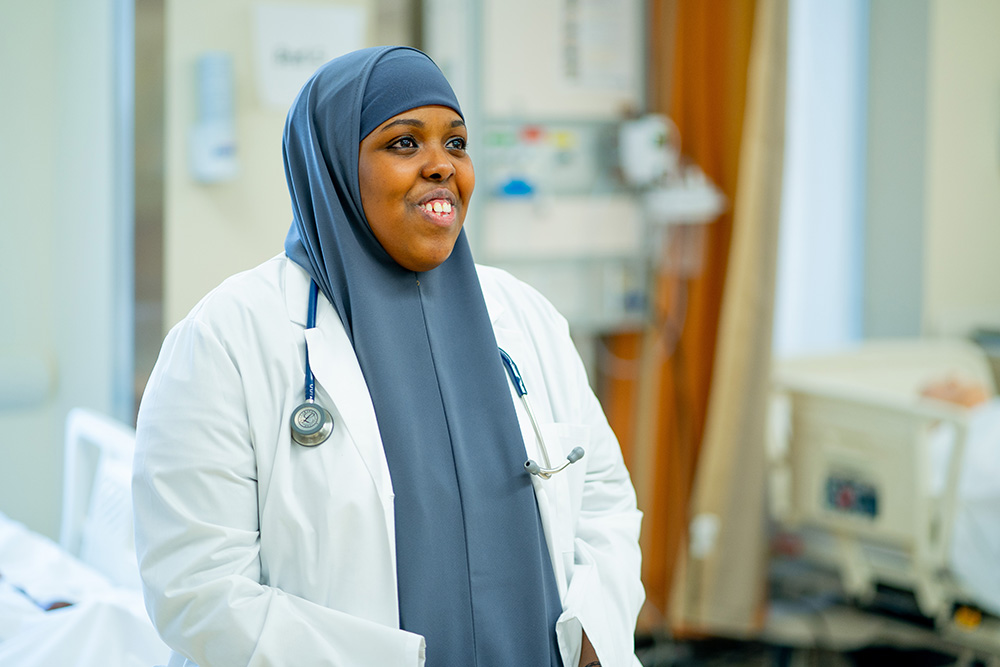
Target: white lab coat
x=255 y=550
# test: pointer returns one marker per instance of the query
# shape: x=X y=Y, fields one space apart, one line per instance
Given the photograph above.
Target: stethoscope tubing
x=522 y=391
x=311 y=324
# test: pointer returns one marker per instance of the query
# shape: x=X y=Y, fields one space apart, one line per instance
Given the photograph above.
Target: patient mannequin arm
x=957 y=390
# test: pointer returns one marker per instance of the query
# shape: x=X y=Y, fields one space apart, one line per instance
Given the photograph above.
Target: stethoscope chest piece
x=311 y=424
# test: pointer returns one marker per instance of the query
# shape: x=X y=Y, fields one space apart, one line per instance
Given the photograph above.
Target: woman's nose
x=438 y=167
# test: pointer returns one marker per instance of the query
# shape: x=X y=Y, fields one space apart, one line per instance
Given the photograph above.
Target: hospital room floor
x=734 y=653
x=718 y=652
x=810 y=624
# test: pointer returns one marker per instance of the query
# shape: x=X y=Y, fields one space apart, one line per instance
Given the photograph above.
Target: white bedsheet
x=975 y=543
x=107 y=625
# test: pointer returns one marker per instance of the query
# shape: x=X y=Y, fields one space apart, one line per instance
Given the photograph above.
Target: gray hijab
x=474 y=575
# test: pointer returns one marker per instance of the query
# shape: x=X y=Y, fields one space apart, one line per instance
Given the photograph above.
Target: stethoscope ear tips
x=545 y=473
x=311 y=424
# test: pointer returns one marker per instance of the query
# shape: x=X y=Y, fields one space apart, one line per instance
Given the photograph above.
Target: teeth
x=438 y=207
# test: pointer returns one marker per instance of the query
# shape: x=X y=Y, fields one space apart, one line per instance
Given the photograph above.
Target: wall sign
x=291 y=41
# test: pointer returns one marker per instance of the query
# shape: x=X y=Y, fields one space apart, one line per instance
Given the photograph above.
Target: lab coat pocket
x=562 y=438
x=565 y=489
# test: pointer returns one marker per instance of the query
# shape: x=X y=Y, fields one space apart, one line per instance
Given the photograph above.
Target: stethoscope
x=312 y=424
x=522 y=391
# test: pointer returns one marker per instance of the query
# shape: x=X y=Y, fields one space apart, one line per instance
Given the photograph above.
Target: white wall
x=895 y=216
x=933 y=215
x=213 y=231
x=818 y=292
x=962 y=257
x=58 y=231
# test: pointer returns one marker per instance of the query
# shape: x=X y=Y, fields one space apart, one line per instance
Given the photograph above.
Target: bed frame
x=849 y=461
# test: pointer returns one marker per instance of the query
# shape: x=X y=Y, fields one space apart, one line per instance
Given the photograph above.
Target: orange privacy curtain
x=655 y=386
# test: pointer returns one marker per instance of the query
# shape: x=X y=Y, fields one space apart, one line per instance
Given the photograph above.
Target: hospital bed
x=869 y=476
x=78 y=602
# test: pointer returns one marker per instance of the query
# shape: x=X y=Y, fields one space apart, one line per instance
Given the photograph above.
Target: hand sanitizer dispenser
x=212 y=147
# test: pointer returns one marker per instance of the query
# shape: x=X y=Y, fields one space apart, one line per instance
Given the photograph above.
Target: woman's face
x=416 y=182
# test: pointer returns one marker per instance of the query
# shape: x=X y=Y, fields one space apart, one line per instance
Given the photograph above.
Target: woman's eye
x=458 y=143
x=404 y=142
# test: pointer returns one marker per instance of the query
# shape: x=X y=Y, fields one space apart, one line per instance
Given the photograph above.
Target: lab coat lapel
x=337 y=373
x=336 y=368
x=513 y=341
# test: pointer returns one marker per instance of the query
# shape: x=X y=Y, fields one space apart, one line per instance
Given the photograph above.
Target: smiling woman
x=414 y=534
x=416 y=182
